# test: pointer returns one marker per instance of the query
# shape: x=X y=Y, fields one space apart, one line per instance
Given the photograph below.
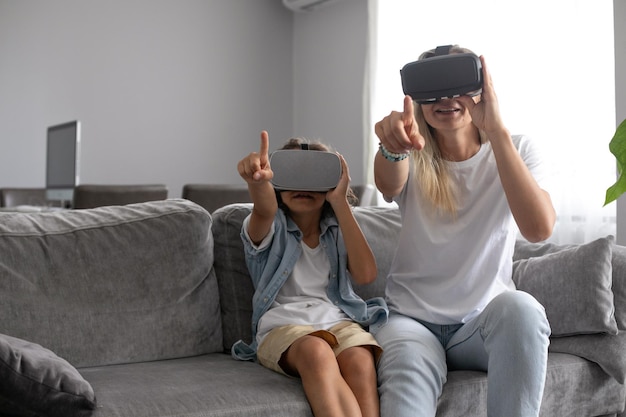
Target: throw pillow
x=574 y=286
x=619 y=285
x=610 y=356
x=35 y=381
x=525 y=249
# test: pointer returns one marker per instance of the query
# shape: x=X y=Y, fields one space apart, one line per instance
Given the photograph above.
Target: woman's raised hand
x=399 y=132
x=486 y=113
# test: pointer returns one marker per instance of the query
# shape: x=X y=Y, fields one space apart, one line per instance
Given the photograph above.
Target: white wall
x=177 y=91
x=330 y=46
x=329 y=51
x=167 y=91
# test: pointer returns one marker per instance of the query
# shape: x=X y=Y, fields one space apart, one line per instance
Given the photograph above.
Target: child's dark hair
x=296 y=143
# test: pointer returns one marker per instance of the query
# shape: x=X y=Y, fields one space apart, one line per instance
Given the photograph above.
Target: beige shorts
x=340 y=337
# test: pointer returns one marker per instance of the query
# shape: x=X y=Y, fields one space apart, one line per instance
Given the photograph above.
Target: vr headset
x=442 y=76
x=305 y=170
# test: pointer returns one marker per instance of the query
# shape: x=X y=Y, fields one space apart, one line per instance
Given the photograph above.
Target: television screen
x=62 y=156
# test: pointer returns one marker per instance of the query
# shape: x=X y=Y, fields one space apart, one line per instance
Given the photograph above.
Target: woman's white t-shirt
x=446 y=270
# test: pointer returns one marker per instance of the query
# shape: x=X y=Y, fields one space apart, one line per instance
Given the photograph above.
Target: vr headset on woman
x=442 y=76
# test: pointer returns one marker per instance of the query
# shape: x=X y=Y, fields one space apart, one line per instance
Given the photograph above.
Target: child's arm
x=361 y=261
x=256 y=171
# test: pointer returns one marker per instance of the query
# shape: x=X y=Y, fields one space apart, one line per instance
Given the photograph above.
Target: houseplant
x=617 y=146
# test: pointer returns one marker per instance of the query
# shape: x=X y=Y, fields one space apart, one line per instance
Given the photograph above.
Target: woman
x=463 y=184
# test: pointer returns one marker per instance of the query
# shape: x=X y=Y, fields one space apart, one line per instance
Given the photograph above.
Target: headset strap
x=443 y=50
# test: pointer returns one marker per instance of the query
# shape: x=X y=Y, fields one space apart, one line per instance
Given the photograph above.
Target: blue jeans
x=509 y=338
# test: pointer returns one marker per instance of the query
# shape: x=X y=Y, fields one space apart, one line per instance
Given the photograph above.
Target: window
x=552 y=63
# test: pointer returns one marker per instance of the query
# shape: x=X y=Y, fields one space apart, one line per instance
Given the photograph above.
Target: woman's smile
x=447 y=110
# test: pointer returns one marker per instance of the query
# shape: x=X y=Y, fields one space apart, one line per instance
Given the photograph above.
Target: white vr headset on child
x=305 y=170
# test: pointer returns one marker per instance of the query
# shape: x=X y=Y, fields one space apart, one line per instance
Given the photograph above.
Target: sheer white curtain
x=553 y=68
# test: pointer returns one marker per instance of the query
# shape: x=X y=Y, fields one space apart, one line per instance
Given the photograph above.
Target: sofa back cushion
x=233 y=279
x=526 y=250
x=588 y=279
x=111 y=285
x=379 y=224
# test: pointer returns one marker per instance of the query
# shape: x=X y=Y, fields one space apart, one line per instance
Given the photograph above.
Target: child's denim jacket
x=271 y=266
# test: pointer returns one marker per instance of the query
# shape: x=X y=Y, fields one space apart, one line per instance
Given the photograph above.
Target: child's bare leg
x=326 y=390
x=358 y=369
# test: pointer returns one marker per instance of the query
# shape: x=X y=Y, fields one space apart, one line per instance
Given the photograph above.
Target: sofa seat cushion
x=214 y=385
x=35 y=381
x=113 y=284
x=567 y=391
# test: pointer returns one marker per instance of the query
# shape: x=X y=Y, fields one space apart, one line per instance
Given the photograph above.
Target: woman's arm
x=531 y=205
x=398 y=133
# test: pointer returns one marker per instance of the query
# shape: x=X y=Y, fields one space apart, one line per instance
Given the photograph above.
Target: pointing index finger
x=408 y=113
x=265 y=144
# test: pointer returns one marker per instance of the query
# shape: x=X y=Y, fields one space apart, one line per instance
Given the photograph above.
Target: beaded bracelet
x=392 y=156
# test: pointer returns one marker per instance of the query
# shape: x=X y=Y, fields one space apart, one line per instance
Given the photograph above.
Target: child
x=301 y=248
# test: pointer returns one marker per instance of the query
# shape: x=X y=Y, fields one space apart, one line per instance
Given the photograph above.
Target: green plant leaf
x=617 y=146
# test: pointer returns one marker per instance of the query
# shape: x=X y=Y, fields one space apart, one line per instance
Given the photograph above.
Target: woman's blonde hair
x=430 y=168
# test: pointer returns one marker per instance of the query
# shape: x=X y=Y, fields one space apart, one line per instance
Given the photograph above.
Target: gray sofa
x=131 y=310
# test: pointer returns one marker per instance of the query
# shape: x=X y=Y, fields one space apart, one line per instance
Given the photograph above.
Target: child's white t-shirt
x=302 y=300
